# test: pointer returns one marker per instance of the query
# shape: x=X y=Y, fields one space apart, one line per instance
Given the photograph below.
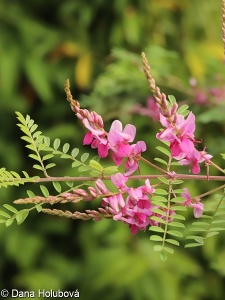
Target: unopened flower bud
x=174 y=108
x=81 y=192
x=66 y=195
x=93 y=191
x=102 y=189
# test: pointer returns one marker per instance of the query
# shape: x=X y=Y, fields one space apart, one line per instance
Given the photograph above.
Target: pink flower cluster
x=117 y=140
x=208 y=96
x=180 y=134
x=135 y=210
x=151 y=110
x=133 y=206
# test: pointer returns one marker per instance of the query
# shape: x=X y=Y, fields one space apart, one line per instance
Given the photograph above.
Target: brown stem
x=152 y=165
x=92 y=178
x=217 y=167
x=210 y=192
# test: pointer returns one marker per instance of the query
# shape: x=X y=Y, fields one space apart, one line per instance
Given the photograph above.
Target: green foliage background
x=97 y=45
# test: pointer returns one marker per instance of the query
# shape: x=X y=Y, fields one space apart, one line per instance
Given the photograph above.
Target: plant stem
x=217 y=167
x=152 y=165
x=210 y=192
x=92 y=178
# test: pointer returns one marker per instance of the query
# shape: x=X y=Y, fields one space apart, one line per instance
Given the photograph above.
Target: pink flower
x=136 y=209
x=131 y=164
x=115 y=202
x=119 y=180
x=179 y=148
x=186 y=196
x=118 y=140
x=180 y=135
x=193 y=158
x=96 y=137
x=147 y=189
x=198 y=207
x=136 y=216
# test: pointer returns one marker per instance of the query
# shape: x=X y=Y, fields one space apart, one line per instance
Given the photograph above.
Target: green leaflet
x=159 y=211
x=164 y=180
x=30 y=194
x=176 y=224
x=160 y=192
x=162 y=161
x=44 y=190
x=182 y=109
x=175 y=233
x=156 y=238
x=10 y=208
x=21 y=216
x=66 y=148
x=110 y=170
x=163 y=150
x=156 y=229
x=171 y=99
x=74 y=152
x=95 y=165
x=57 y=186
x=173 y=242
x=84 y=157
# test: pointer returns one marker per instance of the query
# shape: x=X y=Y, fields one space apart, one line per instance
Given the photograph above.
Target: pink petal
x=139 y=147
x=113 y=138
x=198 y=209
x=116 y=126
x=117 y=159
x=195 y=168
x=143 y=204
x=102 y=189
x=130 y=130
x=189 y=127
x=103 y=150
x=166 y=135
x=134 y=229
x=163 y=120
x=123 y=150
x=119 y=180
x=186 y=145
x=94 y=131
x=88 y=138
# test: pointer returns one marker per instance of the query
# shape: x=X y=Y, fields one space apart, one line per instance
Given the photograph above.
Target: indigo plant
x=156 y=202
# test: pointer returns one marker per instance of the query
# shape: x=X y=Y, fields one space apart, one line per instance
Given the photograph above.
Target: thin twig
x=223 y=24
x=155 y=176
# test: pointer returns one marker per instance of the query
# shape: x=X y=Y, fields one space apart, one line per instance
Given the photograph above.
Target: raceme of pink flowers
x=131 y=205
x=151 y=110
x=118 y=140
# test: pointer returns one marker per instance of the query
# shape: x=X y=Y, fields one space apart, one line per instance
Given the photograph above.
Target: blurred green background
x=97 y=45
